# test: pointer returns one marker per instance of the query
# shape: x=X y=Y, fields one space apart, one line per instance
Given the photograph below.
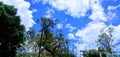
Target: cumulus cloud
x=111 y=15
x=97 y=11
x=75 y=8
x=59 y=25
x=71 y=36
x=23 y=11
x=89 y=35
x=69 y=26
x=79 y=8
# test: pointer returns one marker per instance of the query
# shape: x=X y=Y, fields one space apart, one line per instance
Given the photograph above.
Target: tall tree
x=53 y=44
x=46 y=43
x=11 y=31
x=105 y=41
x=46 y=25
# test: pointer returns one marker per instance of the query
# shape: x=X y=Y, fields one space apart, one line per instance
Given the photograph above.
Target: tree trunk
x=39 y=52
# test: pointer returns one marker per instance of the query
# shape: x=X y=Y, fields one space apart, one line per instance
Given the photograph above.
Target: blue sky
x=80 y=20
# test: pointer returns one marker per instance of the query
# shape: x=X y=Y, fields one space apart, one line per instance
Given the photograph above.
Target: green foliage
x=46 y=43
x=55 y=45
x=92 y=53
x=11 y=31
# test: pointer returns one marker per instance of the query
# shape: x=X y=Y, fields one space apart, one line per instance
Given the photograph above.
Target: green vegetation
x=92 y=53
x=45 y=43
x=11 y=31
x=42 y=44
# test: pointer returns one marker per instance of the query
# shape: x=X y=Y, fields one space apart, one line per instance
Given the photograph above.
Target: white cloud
x=116 y=34
x=113 y=7
x=34 y=10
x=79 y=8
x=71 y=36
x=97 y=11
x=69 y=26
x=111 y=14
x=75 y=8
x=59 y=25
x=23 y=11
x=89 y=35
x=49 y=13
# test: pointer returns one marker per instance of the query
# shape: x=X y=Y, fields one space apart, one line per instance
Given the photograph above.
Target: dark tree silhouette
x=11 y=31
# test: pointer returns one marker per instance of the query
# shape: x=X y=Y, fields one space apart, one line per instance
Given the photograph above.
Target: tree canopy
x=11 y=31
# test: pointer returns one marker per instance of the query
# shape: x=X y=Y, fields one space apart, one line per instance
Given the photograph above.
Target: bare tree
x=105 y=41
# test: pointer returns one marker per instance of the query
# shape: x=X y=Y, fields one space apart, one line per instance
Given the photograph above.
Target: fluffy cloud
x=89 y=35
x=71 y=36
x=23 y=11
x=69 y=26
x=112 y=12
x=60 y=26
x=79 y=8
x=97 y=11
x=75 y=8
x=116 y=36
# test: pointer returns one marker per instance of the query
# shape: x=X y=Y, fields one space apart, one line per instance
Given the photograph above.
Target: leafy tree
x=46 y=35
x=92 y=53
x=105 y=40
x=30 y=47
x=45 y=43
x=11 y=31
x=55 y=45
